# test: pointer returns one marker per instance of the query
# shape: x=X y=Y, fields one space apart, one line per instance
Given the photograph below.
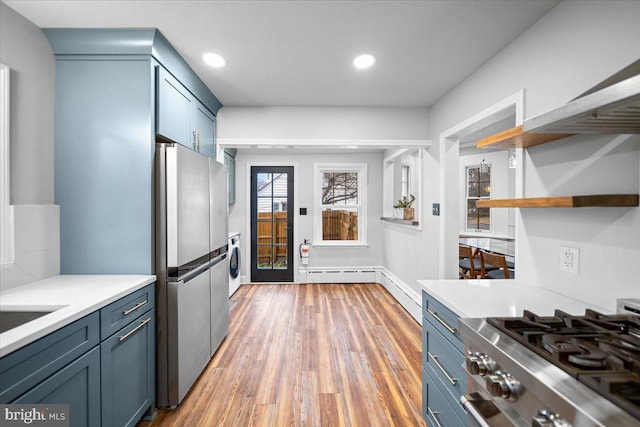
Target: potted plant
x=404 y=205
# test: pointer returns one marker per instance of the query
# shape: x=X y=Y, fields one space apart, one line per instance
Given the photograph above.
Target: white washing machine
x=234 y=262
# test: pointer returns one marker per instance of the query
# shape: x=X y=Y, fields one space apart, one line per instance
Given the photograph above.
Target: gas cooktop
x=601 y=351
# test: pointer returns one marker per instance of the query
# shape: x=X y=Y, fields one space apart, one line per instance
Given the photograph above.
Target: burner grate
x=601 y=351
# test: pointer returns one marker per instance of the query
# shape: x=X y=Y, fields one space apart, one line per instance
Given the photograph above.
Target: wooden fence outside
x=272 y=231
x=336 y=225
x=339 y=225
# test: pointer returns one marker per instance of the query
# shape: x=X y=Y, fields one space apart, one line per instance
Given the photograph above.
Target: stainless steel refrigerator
x=191 y=265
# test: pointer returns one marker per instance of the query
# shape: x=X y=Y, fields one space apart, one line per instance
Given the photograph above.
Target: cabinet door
x=174 y=107
x=205 y=130
x=77 y=385
x=128 y=366
x=230 y=161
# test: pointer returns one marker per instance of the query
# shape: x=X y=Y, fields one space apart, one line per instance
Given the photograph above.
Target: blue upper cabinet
x=117 y=92
x=182 y=118
x=204 y=130
x=173 y=112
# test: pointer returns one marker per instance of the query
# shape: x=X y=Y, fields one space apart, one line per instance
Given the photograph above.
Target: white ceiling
x=299 y=53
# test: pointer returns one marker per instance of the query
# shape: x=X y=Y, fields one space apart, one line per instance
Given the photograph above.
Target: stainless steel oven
x=557 y=371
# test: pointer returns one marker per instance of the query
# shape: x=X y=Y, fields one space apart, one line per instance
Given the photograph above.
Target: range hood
x=613 y=106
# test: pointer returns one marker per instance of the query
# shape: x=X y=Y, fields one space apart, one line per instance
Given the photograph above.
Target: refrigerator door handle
x=217 y=259
x=192 y=274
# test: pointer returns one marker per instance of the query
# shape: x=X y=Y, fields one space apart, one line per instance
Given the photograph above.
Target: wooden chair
x=501 y=272
x=467 y=268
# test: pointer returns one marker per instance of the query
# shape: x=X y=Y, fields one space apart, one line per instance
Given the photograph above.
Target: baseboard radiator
x=407 y=297
x=338 y=275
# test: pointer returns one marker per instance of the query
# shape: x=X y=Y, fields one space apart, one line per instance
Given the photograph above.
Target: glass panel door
x=271 y=224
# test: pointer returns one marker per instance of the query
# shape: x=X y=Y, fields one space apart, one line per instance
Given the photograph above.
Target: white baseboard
x=337 y=275
x=407 y=297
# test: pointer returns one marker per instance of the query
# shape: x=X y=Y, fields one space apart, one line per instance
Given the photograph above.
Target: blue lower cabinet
x=29 y=366
x=444 y=379
x=128 y=368
x=108 y=382
x=437 y=409
x=77 y=385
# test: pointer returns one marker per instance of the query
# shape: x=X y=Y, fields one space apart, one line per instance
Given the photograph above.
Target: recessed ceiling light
x=363 y=62
x=214 y=60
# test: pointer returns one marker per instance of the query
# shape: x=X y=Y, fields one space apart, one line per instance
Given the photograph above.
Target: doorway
x=272 y=223
x=452 y=146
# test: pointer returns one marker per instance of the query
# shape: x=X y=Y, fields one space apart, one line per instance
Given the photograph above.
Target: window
x=7 y=249
x=340 y=211
x=478 y=187
x=404 y=180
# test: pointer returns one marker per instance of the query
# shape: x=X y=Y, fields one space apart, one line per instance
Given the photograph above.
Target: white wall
x=299 y=124
x=321 y=256
x=608 y=238
x=572 y=48
x=25 y=49
x=322 y=123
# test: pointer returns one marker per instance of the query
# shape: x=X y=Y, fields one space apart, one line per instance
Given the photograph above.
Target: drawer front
x=444 y=359
x=442 y=318
x=437 y=410
x=28 y=366
x=120 y=313
x=76 y=385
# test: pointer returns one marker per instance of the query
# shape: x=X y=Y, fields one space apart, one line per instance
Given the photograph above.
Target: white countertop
x=233 y=234
x=501 y=298
x=72 y=297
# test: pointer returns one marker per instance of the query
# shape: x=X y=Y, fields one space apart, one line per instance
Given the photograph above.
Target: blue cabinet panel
x=444 y=378
x=441 y=352
x=128 y=369
x=78 y=385
x=175 y=103
x=230 y=162
x=28 y=366
x=437 y=410
x=443 y=319
x=123 y=311
x=104 y=149
x=205 y=128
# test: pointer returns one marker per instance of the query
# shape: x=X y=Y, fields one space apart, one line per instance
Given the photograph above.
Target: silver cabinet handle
x=134 y=330
x=442 y=322
x=453 y=381
x=434 y=415
x=134 y=308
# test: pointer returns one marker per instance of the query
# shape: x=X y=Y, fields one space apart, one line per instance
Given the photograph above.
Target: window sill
x=341 y=244
x=408 y=222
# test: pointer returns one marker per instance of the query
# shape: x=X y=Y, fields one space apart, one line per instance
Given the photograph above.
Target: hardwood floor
x=310 y=355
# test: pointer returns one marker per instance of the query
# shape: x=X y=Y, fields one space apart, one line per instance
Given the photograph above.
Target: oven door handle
x=468 y=406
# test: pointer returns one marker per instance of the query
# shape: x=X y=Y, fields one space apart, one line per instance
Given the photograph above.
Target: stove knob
x=480 y=364
x=548 y=419
x=501 y=384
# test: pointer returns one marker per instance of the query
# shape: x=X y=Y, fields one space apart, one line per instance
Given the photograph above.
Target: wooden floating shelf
x=602 y=200
x=516 y=138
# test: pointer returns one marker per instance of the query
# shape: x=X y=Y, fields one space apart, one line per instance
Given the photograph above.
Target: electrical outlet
x=569 y=259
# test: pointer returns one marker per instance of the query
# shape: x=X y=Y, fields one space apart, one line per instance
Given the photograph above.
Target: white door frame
x=449 y=182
